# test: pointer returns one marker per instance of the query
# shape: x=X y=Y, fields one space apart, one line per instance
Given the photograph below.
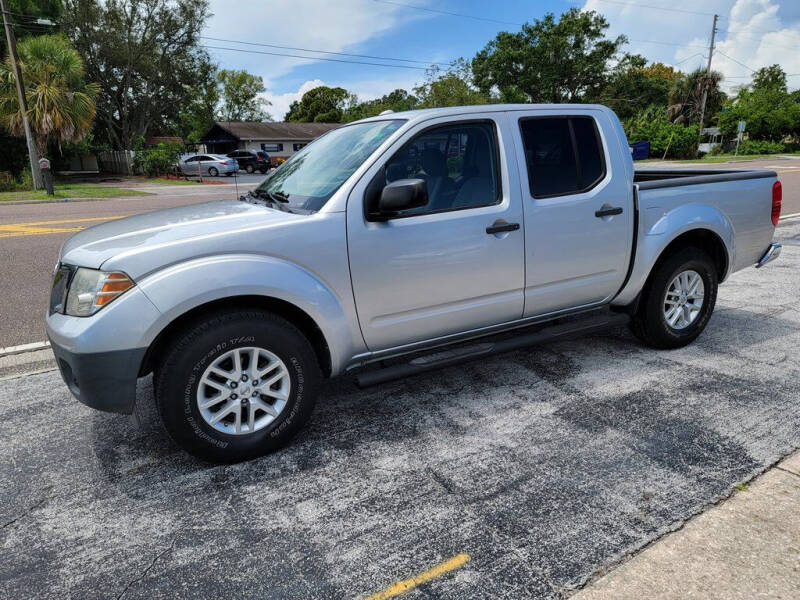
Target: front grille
x=58 y=293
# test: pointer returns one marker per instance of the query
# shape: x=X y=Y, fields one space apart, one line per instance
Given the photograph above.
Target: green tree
x=198 y=114
x=145 y=55
x=549 y=60
x=633 y=84
x=61 y=104
x=451 y=87
x=23 y=12
x=396 y=101
x=239 y=97
x=770 y=112
x=686 y=95
x=322 y=104
x=666 y=138
x=772 y=77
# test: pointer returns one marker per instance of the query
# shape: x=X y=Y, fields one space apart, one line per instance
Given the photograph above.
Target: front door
x=444 y=268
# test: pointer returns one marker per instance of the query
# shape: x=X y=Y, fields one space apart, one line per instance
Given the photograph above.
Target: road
x=516 y=476
x=31 y=235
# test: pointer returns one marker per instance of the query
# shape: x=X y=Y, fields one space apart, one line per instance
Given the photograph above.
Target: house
x=279 y=140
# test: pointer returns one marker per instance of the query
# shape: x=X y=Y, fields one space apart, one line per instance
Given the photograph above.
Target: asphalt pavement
x=517 y=476
x=32 y=234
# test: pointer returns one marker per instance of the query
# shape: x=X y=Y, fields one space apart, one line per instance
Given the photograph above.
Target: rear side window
x=563 y=155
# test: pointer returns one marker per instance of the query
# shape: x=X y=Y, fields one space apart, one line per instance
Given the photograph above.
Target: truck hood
x=95 y=245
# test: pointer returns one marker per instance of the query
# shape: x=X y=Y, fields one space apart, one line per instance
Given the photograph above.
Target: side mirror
x=403 y=194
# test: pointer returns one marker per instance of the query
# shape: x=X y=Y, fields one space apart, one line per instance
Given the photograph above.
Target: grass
x=721 y=158
x=71 y=190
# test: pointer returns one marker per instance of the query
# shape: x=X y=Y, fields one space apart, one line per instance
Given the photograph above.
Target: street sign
x=741 y=126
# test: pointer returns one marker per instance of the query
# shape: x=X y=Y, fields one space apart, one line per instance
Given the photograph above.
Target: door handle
x=608 y=211
x=501 y=227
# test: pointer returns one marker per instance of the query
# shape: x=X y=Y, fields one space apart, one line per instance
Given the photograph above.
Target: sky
x=751 y=34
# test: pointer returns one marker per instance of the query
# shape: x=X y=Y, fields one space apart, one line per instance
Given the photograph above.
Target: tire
x=263 y=171
x=186 y=364
x=249 y=169
x=213 y=172
x=650 y=323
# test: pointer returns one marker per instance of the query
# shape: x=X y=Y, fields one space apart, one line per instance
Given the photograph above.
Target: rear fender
x=659 y=227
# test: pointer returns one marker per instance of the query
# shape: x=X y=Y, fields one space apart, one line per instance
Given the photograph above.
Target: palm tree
x=61 y=104
x=686 y=95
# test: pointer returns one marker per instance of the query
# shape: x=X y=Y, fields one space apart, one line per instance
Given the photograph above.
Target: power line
x=349 y=62
x=736 y=61
x=448 y=13
x=424 y=62
x=650 y=6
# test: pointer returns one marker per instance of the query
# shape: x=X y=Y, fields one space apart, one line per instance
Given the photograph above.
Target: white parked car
x=208 y=164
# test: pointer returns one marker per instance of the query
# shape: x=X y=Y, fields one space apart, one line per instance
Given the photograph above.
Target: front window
x=309 y=178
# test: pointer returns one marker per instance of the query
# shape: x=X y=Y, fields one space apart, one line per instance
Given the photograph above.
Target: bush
x=157 y=161
x=652 y=125
x=760 y=147
x=9 y=183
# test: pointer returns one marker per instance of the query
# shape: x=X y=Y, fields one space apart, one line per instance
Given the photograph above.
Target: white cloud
x=752 y=32
x=368 y=89
x=319 y=25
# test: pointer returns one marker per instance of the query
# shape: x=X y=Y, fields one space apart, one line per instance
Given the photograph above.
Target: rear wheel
x=237 y=385
x=677 y=301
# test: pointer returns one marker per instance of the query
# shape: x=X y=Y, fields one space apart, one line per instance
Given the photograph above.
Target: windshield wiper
x=278 y=196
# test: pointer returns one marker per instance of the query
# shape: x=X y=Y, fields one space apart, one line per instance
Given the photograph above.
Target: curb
x=23 y=348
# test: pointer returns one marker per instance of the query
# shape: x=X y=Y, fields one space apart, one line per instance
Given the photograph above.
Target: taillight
x=777 y=197
x=259 y=159
x=223 y=162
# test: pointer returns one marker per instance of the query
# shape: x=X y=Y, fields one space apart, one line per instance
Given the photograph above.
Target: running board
x=446 y=358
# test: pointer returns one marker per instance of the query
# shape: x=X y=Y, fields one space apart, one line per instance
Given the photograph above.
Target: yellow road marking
x=407 y=584
x=45 y=227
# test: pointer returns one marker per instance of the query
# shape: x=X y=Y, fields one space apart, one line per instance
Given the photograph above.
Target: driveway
x=519 y=476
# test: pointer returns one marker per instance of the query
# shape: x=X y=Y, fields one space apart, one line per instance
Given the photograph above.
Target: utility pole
x=708 y=73
x=23 y=104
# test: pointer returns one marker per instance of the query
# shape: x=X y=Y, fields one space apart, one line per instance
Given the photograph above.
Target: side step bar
x=446 y=358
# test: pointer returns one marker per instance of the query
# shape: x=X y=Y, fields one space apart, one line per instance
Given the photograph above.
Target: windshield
x=309 y=178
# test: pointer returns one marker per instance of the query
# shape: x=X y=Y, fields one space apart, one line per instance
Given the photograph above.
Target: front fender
x=181 y=287
x=658 y=228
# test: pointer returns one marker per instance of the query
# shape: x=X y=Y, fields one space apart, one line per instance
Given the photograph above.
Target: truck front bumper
x=100 y=356
x=103 y=380
x=773 y=252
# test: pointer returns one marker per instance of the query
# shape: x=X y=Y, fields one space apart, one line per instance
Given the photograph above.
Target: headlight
x=90 y=290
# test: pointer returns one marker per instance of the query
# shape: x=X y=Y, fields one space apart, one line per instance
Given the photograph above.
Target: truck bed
x=661 y=178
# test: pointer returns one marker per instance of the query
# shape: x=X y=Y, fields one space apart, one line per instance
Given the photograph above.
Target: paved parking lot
x=543 y=467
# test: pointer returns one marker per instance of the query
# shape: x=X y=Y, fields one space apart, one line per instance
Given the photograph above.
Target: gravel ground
x=545 y=466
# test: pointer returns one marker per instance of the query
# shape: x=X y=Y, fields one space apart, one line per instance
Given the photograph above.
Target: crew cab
x=392 y=246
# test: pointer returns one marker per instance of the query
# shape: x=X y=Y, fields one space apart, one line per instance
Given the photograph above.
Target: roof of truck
x=426 y=113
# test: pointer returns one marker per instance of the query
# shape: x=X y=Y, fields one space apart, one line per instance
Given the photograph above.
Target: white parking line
x=791 y=216
x=32 y=347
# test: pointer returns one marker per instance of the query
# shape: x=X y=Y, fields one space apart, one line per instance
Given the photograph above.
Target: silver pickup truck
x=392 y=246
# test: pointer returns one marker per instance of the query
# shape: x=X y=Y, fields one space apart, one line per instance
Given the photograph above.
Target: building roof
x=275 y=131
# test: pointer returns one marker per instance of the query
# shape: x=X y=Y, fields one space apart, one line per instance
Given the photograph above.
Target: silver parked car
x=404 y=235
x=208 y=164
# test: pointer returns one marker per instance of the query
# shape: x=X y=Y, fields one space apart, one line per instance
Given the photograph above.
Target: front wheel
x=249 y=169
x=237 y=385
x=677 y=301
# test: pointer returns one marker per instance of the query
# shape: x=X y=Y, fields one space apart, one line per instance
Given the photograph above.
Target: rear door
x=440 y=269
x=578 y=209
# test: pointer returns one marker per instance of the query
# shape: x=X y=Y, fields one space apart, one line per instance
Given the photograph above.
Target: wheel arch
x=705 y=239
x=292 y=313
